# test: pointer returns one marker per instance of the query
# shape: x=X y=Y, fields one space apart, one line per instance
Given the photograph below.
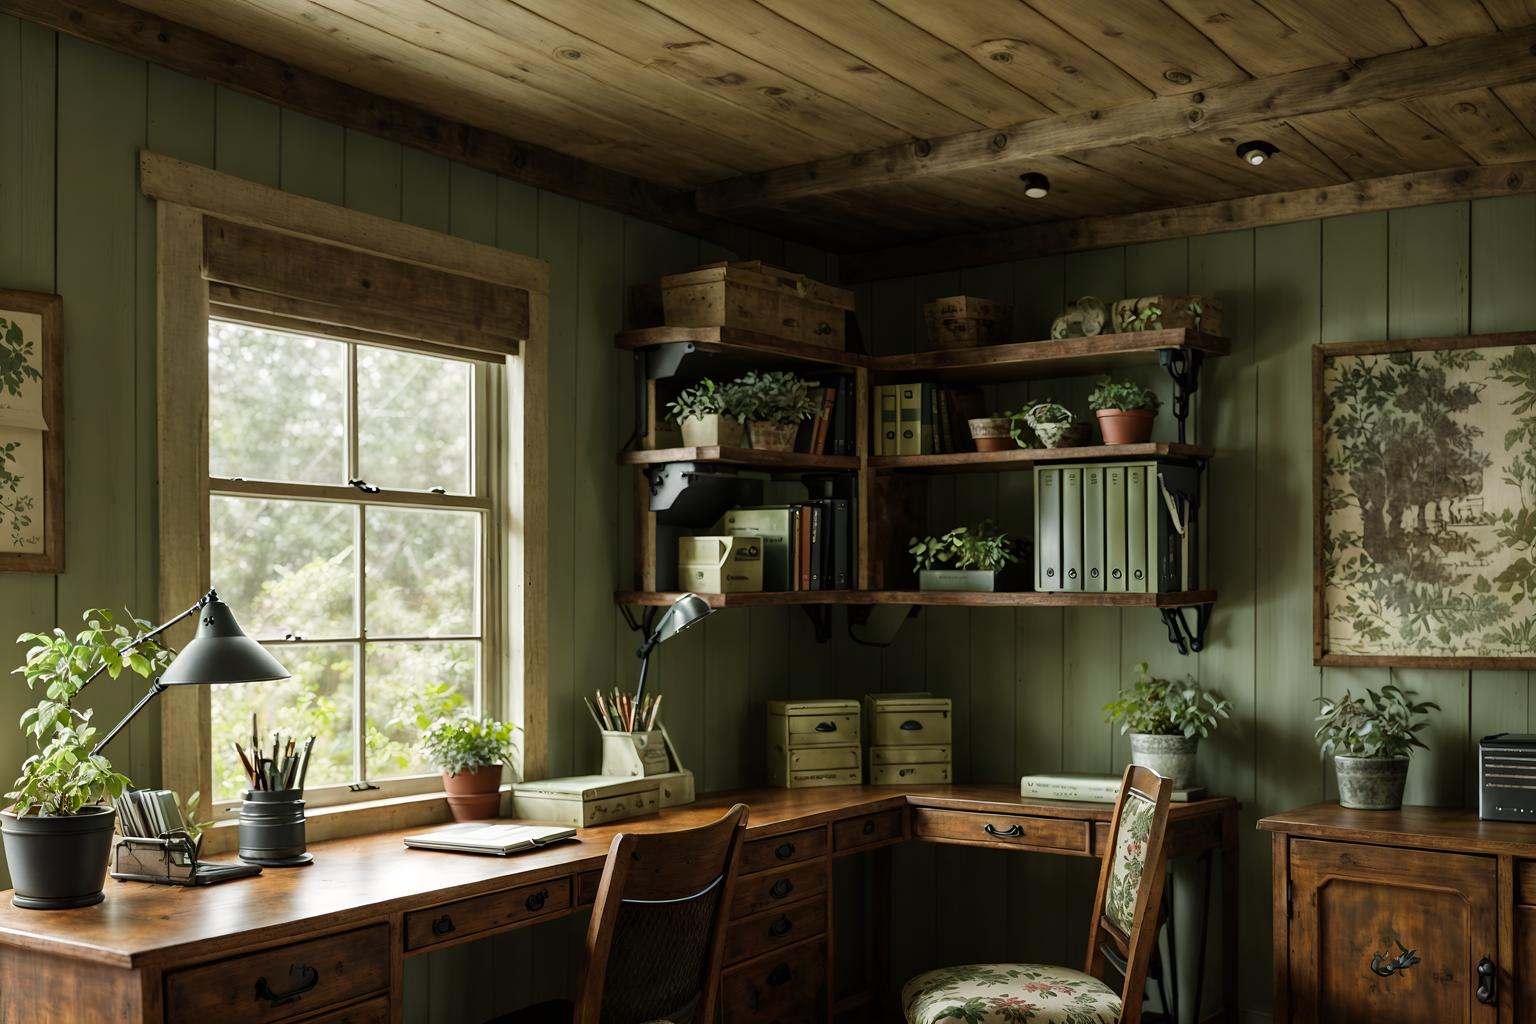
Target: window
x=352 y=529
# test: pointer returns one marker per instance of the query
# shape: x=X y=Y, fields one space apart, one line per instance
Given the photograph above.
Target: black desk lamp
x=220 y=652
x=685 y=611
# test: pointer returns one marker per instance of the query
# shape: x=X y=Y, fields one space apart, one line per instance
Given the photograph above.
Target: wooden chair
x=657 y=935
x=1123 y=934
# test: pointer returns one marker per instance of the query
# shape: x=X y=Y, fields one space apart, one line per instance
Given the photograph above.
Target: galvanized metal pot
x=1172 y=757
x=1371 y=783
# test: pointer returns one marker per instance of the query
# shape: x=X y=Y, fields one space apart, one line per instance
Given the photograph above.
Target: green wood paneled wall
x=1027 y=685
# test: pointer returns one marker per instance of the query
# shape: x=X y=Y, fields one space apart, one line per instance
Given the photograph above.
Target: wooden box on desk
x=586 y=800
x=813 y=743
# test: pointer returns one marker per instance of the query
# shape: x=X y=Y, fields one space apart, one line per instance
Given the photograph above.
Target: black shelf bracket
x=1183 y=365
x=1179 y=633
x=821 y=618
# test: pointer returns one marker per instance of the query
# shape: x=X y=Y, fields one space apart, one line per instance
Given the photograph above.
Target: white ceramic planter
x=714 y=429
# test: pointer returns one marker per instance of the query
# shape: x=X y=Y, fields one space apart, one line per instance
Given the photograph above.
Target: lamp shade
x=220 y=652
x=685 y=611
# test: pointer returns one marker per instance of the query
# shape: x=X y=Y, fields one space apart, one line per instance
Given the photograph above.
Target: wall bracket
x=1179 y=633
x=1183 y=365
x=821 y=618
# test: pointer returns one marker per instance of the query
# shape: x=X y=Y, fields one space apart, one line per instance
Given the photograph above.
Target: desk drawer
x=790 y=848
x=775 y=888
x=374 y=1011
x=774 y=929
x=451 y=921
x=283 y=983
x=866 y=830
x=787 y=986
x=587 y=884
x=1022 y=830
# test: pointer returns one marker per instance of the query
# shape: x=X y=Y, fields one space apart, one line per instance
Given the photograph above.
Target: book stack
x=1127 y=527
x=808 y=545
x=1089 y=788
x=924 y=419
x=833 y=429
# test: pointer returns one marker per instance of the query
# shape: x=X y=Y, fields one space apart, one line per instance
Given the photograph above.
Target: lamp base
x=280 y=862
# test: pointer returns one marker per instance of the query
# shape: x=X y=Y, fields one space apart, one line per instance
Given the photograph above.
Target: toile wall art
x=31 y=433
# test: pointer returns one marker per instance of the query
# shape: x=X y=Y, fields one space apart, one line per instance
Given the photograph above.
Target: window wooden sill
x=355 y=819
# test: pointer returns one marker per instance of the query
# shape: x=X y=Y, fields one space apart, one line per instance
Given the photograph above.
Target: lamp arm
x=202 y=602
x=154 y=691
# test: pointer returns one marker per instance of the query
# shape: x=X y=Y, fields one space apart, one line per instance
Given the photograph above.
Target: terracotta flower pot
x=1126 y=426
x=990 y=434
x=714 y=429
x=773 y=437
x=474 y=793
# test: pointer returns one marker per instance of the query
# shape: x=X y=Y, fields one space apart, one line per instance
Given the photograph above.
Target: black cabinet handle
x=869 y=827
x=443 y=925
x=1011 y=832
x=783 y=887
x=822 y=327
x=826 y=727
x=307 y=978
x=911 y=725
x=535 y=902
x=784 y=851
x=781 y=927
x=1488 y=978
x=779 y=975
x=1385 y=966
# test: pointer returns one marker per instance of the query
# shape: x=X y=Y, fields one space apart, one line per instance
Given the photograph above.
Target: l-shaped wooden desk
x=326 y=944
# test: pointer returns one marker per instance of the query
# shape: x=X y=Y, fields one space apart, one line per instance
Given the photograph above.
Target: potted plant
x=963 y=559
x=704 y=414
x=992 y=433
x=1125 y=410
x=57 y=833
x=1371 y=739
x=1167 y=721
x=773 y=404
x=470 y=753
x=1055 y=425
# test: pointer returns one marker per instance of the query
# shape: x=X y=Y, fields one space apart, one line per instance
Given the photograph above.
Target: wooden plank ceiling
x=889 y=121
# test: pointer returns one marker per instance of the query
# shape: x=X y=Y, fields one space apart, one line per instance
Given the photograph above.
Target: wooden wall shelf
x=1023 y=458
x=751 y=457
x=1032 y=360
x=737 y=341
x=1010 y=599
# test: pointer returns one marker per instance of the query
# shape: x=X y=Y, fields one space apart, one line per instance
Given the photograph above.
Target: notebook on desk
x=499 y=840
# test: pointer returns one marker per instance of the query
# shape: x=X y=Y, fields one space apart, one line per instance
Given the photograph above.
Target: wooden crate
x=964 y=321
x=754 y=296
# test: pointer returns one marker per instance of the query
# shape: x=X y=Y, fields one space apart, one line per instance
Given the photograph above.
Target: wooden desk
x=326 y=944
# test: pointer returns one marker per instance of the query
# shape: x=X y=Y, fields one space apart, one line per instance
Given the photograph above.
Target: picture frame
x=31 y=432
x=1424 y=502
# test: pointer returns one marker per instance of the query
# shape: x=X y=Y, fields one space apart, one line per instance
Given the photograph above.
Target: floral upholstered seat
x=1009 y=994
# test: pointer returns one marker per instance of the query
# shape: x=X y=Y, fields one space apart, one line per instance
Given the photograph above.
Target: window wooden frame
x=188 y=198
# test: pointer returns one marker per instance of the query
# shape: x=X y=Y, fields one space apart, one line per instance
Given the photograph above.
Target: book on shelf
x=1088 y=787
x=931 y=419
x=497 y=840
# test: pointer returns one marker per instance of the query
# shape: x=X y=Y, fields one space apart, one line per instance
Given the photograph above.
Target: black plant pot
x=58 y=862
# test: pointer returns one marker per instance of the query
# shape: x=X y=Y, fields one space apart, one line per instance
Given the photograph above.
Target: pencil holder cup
x=272 y=828
x=635 y=753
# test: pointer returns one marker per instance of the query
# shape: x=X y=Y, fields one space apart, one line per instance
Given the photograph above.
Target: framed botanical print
x=1424 y=502
x=31 y=432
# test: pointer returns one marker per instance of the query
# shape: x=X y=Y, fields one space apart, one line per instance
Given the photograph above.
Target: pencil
x=593 y=712
x=655 y=710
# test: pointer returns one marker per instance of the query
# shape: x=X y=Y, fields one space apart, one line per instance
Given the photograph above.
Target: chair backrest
x=658 y=928
x=1127 y=910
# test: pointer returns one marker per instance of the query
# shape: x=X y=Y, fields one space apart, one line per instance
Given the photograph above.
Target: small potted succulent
x=964 y=559
x=1371 y=739
x=1055 y=425
x=773 y=404
x=1125 y=410
x=704 y=413
x=470 y=752
x=993 y=433
x=1166 y=721
x=58 y=832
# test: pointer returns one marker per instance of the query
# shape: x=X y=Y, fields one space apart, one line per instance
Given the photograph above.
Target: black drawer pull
x=826 y=727
x=869 y=827
x=443 y=925
x=781 y=927
x=822 y=327
x=779 y=975
x=784 y=851
x=911 y=725
x=1488 y=978
x=307 y=977
x=535 y=903
x=783 y=887
x=1011 y=832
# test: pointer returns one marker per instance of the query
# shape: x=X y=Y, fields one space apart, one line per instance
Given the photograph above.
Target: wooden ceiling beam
x=1480 y=62
x=140 y=34
x=1419 y=188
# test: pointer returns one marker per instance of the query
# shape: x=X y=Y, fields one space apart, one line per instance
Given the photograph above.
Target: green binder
x=909 y=433
x=1136 y=528
x=1093 y=527
x=1115 y=578
x=888 y=420
x=1072 y=527
x=1047 y=528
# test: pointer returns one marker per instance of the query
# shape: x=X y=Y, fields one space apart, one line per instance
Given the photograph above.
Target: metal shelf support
x=1179 y=633
x=1183 y=365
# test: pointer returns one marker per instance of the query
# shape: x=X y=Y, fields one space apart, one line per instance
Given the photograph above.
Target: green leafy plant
x=706 y=398
x=1124 y=395
x=1162 y=707
x=1383 y=723
x=63 y=775
x=456 y=744
x=776 y=396
x=1018 y=427
x=985 y=548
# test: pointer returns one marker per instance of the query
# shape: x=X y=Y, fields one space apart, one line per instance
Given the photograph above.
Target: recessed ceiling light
x=1256 y=152
x=1036 y=185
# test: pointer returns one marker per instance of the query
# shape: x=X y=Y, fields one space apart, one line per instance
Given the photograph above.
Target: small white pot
x=714 y=429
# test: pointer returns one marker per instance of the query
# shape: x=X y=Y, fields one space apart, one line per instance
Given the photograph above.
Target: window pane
x=276 y=405
x=423 y=572
x=317 y=701
x=285 y=566
x=407 y=678
x=413 y=415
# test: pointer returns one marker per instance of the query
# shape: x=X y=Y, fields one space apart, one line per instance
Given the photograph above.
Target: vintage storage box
x=964 y=321
x=753 y=296
x=908 y=719
x=586 y=800
x=651 y=755
x=720 y=565
x=813 y=743
x=1165 y=312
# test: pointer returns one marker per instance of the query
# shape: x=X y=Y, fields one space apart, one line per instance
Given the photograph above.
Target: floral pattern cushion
x=1130 y=859
x=1009 y=994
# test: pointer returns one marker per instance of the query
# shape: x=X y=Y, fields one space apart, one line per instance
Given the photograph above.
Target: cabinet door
x=1381 y=934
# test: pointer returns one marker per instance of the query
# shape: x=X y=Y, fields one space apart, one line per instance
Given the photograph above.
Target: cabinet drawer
x=787 y=986
x=774 y=929
x=481 y=913
x=374 y=1011
x=587 y=884
x=775 y=888
x=1013 y=829
x=880 y=827
x=283 y=983
x=910 y=729
x=822 y=730
x=790 y=848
